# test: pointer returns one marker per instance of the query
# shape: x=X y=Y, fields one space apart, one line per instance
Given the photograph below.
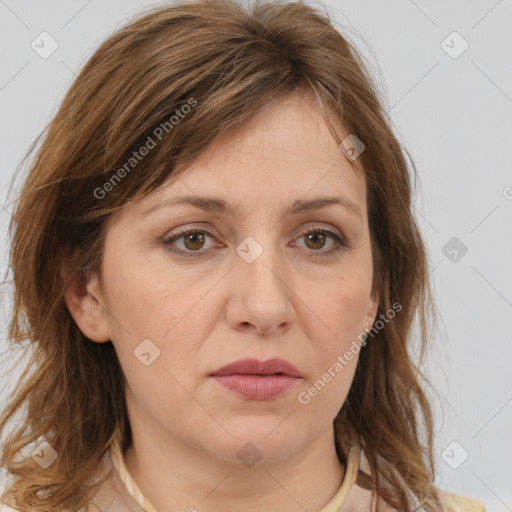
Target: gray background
x=453 y=114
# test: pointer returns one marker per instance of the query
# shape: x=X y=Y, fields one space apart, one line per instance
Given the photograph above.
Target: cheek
x=335 y=316
x=327 y=392
x=335 y=353
x=148 y=300
x=336 y=310
x=144 y=294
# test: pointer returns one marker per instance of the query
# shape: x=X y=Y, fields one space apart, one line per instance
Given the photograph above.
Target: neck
x=168 y=476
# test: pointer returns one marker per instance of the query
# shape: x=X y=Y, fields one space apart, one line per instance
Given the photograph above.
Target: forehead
x=284 y=153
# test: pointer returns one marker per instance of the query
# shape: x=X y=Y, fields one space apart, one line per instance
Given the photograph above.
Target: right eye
x=193 y=241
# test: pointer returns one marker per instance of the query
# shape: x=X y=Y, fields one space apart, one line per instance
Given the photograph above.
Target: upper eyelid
x=207 y=226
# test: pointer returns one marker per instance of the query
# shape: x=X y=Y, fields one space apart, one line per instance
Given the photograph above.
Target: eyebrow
x=219 y=206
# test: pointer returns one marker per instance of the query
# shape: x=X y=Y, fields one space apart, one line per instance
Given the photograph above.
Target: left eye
x=319 y=236
x=193 y=241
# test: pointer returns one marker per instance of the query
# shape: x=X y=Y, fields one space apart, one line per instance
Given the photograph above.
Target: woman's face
x=263 y=277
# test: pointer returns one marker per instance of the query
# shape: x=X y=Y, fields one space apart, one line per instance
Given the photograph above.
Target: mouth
x=258 y=380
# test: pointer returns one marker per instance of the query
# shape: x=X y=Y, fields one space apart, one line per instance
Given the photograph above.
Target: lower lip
x=257 y=387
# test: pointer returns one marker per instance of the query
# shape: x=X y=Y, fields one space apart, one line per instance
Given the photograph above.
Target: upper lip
x=252 y=366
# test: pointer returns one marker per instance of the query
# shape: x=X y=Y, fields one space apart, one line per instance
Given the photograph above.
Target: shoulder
x=459 y=503
x=451 y=502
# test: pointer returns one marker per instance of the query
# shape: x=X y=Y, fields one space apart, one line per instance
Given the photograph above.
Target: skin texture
x=214 y=308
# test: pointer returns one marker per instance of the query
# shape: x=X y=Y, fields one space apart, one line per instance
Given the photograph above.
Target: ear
x=372 y=307
x=82 y=295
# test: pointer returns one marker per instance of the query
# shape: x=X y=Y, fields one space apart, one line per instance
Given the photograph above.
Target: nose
x=262 y=291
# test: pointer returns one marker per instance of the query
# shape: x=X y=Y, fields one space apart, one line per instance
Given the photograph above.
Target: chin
x=257 y=440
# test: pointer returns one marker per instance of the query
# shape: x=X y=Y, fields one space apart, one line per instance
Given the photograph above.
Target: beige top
x=352 y=490
x=120 y=493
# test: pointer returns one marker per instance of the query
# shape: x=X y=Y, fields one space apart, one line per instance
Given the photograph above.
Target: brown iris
x=194 y=238
x=315 y=238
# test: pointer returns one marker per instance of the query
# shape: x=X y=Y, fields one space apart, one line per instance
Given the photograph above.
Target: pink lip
x=258 y=380
x=252 y=366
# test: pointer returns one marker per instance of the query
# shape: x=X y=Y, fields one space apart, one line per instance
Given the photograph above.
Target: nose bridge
x=260 y=282
x=260 y=255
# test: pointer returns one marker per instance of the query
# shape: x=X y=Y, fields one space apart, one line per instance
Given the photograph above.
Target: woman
x=215 y=260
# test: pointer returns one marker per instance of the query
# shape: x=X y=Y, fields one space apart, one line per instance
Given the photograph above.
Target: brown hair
x=227 y=62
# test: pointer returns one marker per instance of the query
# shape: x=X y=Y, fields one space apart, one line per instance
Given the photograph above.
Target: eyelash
x=341 y=242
